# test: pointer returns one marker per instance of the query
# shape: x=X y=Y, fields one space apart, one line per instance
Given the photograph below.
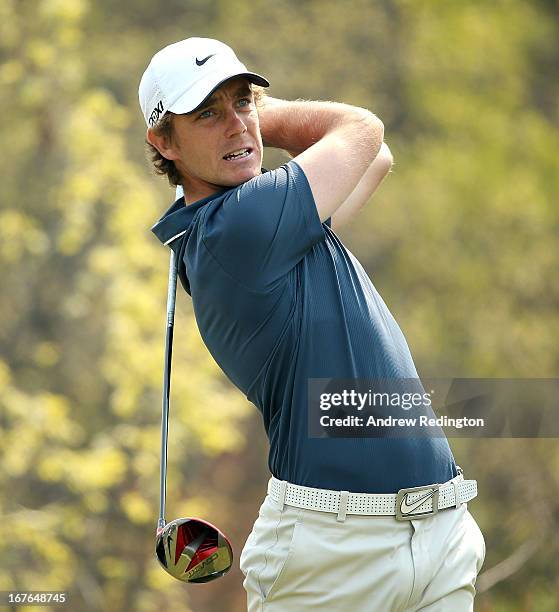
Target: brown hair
x=166 y=167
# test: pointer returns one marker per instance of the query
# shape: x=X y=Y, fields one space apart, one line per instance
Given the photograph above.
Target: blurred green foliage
x=461 y=241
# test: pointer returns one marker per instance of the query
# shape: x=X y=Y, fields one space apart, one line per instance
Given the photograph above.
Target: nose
x=235 y=123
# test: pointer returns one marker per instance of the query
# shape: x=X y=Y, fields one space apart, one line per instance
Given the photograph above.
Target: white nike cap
x=182 y=75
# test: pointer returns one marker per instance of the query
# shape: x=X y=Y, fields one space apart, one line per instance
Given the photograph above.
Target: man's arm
x=364 y=190
x=336 y=143
x=368 y=184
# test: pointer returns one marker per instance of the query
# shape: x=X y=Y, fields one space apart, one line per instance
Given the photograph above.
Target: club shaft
x=171 y=297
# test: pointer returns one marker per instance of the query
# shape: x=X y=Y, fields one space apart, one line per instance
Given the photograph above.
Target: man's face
x=203 y=141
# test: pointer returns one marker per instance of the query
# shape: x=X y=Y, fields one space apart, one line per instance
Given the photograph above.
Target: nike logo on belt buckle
x=409 y=506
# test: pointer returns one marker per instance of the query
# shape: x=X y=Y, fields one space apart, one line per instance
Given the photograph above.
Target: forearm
x=296 y=125
x=369 y=183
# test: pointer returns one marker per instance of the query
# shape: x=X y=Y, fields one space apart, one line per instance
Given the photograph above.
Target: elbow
x=385 y=156
x=379 y=133
x=383 y=159
x=376 y=125
x=371 y=123
x=376 y=134
x=369 y=134
x=379 y=128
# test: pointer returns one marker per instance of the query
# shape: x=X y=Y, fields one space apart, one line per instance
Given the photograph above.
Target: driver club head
x=193 y=550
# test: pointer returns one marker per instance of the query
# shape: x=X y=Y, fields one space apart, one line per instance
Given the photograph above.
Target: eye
x=245 y=101
x=205 y=114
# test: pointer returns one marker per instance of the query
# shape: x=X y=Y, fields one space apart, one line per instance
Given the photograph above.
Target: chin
x=246 y=175
x=232 y=177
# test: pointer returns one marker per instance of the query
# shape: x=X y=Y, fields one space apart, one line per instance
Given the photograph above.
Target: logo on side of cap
x=156 y=113
x=203 y=61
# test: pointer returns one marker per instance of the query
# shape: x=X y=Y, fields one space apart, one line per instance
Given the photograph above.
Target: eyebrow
x=242 y=90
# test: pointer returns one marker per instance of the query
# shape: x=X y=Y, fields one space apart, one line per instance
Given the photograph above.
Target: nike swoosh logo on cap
x=409 y=508
x=203 y=61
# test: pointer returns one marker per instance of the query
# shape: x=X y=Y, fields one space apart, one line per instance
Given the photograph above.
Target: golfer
x=363 y=524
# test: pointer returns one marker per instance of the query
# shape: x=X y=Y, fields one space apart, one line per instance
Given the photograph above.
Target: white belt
x=407 y=504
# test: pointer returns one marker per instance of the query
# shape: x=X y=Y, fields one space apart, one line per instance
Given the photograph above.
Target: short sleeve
x=263 y=229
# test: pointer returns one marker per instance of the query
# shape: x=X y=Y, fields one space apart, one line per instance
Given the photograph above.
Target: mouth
x=238 y=154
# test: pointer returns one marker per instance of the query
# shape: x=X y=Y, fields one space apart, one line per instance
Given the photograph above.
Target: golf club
x=190 y=549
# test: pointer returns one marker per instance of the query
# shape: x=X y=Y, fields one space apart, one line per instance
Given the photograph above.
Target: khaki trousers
x=296 y=560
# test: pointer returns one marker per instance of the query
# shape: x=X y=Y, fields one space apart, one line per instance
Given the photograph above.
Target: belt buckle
x=408 y=510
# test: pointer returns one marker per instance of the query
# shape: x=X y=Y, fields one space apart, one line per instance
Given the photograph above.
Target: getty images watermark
x=413 y=407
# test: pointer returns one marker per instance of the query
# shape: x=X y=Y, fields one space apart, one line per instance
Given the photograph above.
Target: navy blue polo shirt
x=279 y=299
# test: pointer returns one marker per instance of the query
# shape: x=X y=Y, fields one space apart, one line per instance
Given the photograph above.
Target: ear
x=162 y=144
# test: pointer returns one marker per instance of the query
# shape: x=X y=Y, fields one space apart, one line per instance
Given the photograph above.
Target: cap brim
x=191 y=100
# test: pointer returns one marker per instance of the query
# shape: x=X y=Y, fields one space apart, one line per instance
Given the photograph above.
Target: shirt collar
x=176 y=221
x=178 y=218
